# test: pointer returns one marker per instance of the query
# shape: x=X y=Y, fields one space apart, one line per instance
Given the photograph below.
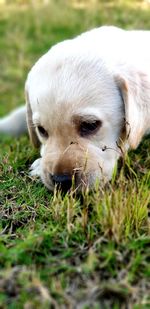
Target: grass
x=65 y=251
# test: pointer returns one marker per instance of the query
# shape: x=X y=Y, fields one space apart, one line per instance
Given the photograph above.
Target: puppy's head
x=76 y=112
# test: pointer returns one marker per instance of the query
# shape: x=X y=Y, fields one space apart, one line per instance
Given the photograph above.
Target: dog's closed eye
x=89 y=127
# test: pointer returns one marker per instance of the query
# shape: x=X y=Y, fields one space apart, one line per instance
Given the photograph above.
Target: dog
x=87 y=100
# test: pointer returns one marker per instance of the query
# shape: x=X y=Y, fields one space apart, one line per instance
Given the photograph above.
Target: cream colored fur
x=102 y=75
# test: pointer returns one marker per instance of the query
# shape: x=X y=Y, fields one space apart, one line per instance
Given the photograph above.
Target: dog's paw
x=35 y=169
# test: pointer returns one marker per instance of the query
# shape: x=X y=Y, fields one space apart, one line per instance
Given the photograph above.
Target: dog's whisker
x=67 y=148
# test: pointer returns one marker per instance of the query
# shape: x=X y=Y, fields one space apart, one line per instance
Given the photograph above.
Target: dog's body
x=85 y=97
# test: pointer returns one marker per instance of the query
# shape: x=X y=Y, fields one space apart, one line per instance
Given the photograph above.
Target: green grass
x=65 y=251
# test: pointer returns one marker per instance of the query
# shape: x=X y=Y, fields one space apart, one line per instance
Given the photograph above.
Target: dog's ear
x=33 y=136
x=135 y=91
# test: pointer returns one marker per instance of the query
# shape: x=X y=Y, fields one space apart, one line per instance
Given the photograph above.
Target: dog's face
x=76 y=113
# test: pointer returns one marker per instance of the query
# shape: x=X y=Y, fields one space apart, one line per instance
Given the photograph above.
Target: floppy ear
x=33 y=137
x=135 y=91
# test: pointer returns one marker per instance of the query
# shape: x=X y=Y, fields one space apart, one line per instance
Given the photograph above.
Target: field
x=89 y=251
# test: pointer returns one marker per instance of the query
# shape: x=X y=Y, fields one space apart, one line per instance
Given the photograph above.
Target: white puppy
x=86 y=98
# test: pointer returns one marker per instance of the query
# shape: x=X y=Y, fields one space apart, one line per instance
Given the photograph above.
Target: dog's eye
x=42 y=132
x=87 y=128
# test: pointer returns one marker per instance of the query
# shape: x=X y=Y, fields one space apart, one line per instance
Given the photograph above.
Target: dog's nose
x=63 y=181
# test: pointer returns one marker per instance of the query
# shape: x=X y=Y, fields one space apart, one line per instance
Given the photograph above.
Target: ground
x=90 y=251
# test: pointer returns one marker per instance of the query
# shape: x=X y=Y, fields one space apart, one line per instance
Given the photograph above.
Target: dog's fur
x=86 y=98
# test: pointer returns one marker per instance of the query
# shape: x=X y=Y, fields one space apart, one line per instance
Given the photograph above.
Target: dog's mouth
x=76 y=171
x=66 y=182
